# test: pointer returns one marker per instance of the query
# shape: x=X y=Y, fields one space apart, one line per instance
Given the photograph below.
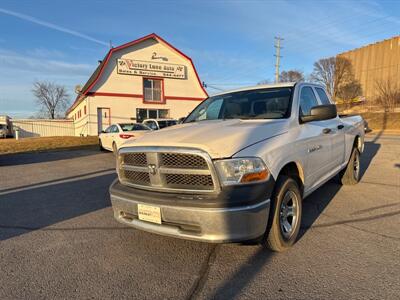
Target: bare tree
x=264 y=81
x=52 y=99
x=388 y=94
x=336 y=74
x=324 y=73
x=291 y=76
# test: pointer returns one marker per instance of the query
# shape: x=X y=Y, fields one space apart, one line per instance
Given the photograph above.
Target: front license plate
x=149 y=213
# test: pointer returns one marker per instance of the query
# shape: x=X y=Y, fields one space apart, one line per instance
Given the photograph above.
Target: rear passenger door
x=317 y=143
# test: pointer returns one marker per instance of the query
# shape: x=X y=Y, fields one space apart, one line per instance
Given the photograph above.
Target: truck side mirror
x=320 y=112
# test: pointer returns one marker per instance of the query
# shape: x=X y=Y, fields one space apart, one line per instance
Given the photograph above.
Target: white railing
x=45 y=127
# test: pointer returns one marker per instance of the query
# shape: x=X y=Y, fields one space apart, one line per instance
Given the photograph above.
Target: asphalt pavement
x=58 y=239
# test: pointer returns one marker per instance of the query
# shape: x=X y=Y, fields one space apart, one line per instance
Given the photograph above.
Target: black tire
x=101 y=146
x=351 y=174
x=114 y=147
x=278 y=238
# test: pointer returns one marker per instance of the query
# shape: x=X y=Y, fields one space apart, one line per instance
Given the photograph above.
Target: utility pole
x=277 y=56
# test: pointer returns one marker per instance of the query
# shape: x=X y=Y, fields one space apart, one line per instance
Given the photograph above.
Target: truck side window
x=322 y=96
x=307 y=100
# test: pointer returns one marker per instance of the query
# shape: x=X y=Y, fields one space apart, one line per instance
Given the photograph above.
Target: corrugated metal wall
x=36 y=128
x=375 y=62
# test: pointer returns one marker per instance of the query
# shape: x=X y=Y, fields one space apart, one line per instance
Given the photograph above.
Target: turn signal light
x=258 y=176
x=126 y=136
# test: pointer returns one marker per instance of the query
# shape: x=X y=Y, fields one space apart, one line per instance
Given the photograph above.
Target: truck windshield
x=269 y=103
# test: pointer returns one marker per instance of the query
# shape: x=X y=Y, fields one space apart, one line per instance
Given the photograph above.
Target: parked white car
x=115 y=135
x=239 y=166
x=157 y=124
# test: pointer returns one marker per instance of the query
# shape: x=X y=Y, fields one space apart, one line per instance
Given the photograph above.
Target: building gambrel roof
x=101 y=67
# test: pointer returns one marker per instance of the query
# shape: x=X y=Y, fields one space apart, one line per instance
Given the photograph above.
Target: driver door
x=317 y=143
x=336 y=134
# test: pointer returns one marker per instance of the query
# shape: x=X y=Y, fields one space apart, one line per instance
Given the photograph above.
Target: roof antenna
x=111 y=46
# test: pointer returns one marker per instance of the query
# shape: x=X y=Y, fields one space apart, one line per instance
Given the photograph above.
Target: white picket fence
x=43 y=127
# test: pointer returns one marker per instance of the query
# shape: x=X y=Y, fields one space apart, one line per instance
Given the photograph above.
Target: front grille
x=169 y=169
x=134 y=159
x=203 y=182
x=141 y=178
x=183 y=161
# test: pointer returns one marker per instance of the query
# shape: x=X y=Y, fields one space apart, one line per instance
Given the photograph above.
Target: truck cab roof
x=272 y=85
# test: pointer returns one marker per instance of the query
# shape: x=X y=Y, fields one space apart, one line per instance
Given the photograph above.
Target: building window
x=152 y=90
x=143 y=113
x=84 y=109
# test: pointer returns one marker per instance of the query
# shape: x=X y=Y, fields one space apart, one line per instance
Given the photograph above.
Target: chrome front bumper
x=215 y=225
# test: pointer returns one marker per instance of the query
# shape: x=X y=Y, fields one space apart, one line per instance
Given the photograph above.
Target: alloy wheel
x=288 y=214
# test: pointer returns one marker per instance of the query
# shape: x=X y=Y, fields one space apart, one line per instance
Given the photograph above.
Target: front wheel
x=351 y=174
x=286 y=211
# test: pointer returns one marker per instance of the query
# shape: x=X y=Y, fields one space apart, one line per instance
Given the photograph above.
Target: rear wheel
x=101 y=145
x=114 y=147
x=285 y=216
x=351 y=174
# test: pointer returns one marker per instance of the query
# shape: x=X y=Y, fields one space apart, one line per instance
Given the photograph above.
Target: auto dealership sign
x=147 y=68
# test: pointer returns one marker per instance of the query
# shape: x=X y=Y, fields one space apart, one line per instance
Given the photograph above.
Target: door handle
x=341 y=126
x=326 y=130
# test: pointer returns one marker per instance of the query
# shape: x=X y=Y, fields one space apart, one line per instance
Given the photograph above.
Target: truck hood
x=220 y=138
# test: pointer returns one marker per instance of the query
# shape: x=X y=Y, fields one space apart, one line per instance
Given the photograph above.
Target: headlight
x=241 y=170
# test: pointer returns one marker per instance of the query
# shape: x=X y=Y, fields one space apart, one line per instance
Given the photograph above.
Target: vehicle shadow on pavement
x=315 y=204
x=33 y=208
x=40 y=157
x=234 y=284
x=370 y=150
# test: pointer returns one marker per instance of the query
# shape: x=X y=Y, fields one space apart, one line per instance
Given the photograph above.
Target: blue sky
x=230 y=42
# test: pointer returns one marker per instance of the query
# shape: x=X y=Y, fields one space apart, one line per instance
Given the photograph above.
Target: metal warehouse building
x=375 y=62
x=146 y=78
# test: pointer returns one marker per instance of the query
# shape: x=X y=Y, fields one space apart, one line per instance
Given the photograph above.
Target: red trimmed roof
x=101 y=67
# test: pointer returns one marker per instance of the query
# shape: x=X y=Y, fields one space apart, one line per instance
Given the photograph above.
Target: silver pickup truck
x=238 y=167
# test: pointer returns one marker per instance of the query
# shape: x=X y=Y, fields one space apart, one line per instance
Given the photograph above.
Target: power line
x=206 y=85
x=277 y=56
